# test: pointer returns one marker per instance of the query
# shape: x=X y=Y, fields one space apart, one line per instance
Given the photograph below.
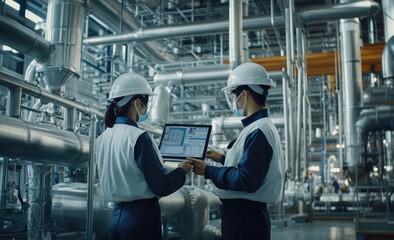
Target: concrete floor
x=321 y=230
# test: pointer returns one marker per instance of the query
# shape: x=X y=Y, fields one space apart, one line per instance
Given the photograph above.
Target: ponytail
x=110 y=117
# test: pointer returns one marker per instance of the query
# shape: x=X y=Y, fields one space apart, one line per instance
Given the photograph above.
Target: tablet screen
x=182 y=141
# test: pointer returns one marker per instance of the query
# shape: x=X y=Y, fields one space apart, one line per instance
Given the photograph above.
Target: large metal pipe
x=12 y=81
x=339 y=11
x=388 y=60
x=388 y=13
x=203 y=74
x=108 y=12
x=378 y=118
x=188 y=203
x=65 y=20
x=235 y=33
x=183 y=30
x=24 y=40
x=379 y=95
x=37 y=143
x=352 y=90
x=91 y=178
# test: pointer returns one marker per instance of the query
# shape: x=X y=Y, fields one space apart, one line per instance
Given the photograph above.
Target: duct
x=388 y=60
x=235 y=33
x=160 y=111
x=107 y=11
x=65 y=33
x=338 y=11
x=379 y=95
x=24 y=40
x=41 y=143
x=188 y=207
x=11 y=81
x=388 y=13
x=183 y=30
x=352 y=90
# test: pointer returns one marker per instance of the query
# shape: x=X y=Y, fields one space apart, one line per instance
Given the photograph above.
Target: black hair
x=110 y=116
x=258 y=98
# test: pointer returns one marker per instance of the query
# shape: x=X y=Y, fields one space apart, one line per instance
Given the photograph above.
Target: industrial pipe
x=235 y=33
x=160 y=111
x=351 y=90
x=183 y=30
x=379 y=95
x=216 y=73
x=65 y=33
x=388 y=21
x=388 y=60
x=24 y=40
x=338 y=11
x=37 y=143
x=11 y=81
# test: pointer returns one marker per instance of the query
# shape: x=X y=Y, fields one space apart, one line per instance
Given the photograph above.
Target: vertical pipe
x=91 y=171
x=291 y=24
x=46 y=201
x=299 y=103
x=286 y=122
x=351 y=92
x=14 y=102
x=340 y=106
x=371 y=39
x=3 y=191
x=235 y=33
x=388 y=13
x=34 y=216
x=304 y=102
x=288 y=47
x=69 y=119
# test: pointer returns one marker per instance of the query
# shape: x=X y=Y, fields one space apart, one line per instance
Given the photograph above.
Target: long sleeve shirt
x=252 y=168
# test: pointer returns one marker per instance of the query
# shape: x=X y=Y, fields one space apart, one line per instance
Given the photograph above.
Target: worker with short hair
x=130 y=165
x=252 y=175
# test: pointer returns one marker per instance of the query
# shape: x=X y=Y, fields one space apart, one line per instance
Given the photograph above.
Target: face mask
x=238 y=112
x=143 y=117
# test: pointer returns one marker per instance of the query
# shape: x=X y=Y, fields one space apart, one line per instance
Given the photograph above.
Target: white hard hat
x=129 y=84
x=250 y=74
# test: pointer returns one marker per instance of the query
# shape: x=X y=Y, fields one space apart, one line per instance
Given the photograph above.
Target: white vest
x=120 y=177
x=271 y=188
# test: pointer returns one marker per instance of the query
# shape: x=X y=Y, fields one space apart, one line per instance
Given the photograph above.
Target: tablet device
x=180 y=141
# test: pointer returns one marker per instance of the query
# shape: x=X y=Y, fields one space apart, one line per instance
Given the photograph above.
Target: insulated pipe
x=203 y=74
x=24 y=40
x=183 y=30
x=235 y=33
x=378 y=118
x=388 y=59
x=351 y=90
x=299 y=99
x=37 y=143
x=339 y=11
x=160 y=111
x=379 y=95
x=388 y=13
x=11 y=81
x=286 y=121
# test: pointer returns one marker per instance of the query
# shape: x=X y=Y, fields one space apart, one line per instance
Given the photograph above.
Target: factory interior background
x=332 y=64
